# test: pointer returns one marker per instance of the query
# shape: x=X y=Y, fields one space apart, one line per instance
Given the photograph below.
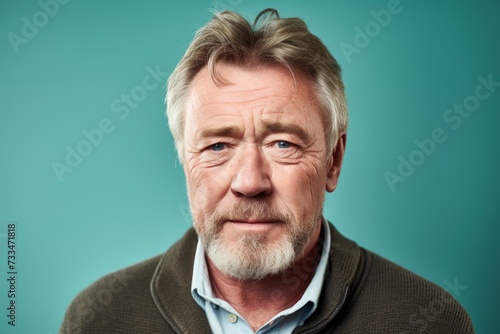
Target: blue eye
x=217 y=147
x=283 y=144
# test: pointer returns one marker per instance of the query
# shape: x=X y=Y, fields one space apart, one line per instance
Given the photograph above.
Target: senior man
x=259 y=117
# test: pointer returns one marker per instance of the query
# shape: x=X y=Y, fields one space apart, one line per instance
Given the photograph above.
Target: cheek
x=301 y=188
x=206 y=188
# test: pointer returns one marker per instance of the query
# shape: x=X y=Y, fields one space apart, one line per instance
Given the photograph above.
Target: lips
x=253 y=225
x=252 y=221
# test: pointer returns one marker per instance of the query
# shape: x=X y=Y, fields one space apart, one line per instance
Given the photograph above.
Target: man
x=259 y=118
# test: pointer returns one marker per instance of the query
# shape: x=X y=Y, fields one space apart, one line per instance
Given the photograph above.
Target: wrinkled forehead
x=258 y=85
x=238 y=81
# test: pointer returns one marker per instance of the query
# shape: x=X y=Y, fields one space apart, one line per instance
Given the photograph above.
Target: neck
x=279 y=291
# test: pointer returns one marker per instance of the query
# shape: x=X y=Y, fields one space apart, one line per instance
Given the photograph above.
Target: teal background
x=126 y=200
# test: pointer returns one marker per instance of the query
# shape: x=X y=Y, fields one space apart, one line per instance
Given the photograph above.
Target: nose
x=251 y=177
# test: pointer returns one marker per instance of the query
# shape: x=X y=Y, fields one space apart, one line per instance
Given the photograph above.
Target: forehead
x=265 y=89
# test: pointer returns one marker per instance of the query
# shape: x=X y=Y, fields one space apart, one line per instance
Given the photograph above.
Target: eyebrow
x=269 y=127
x=227 y=131
x=279 y=127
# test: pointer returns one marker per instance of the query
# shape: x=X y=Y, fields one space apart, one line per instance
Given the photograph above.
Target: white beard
x=251 y=257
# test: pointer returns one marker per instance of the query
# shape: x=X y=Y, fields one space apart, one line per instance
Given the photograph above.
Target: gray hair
x=272 y=40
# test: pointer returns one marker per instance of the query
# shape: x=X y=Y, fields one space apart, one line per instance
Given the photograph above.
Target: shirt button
x=232 y=318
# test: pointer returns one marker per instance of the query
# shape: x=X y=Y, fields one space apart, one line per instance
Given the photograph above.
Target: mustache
x=254 y=210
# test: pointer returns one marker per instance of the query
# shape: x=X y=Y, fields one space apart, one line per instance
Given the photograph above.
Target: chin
x=250 y=258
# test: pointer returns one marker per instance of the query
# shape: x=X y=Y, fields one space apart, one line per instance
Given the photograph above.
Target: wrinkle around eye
x=211 y=157
x=289 y=155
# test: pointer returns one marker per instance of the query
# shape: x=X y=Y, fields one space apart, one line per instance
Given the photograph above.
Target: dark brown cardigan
x=362 y=293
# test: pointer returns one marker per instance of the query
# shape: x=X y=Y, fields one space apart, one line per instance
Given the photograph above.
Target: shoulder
x=415 y=304
x=123 y=302
x=113 y=299
x=383 y=297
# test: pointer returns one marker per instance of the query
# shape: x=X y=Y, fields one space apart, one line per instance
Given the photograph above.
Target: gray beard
x=250 y=258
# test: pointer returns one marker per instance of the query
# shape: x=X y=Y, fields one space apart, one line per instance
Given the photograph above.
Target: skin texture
x=258 y=139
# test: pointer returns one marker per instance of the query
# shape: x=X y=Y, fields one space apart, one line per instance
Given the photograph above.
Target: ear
x=335 y=163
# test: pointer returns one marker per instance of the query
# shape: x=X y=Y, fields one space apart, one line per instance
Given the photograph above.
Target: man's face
x=256 y=164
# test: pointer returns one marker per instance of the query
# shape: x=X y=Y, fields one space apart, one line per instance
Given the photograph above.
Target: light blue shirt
x=223 y=318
